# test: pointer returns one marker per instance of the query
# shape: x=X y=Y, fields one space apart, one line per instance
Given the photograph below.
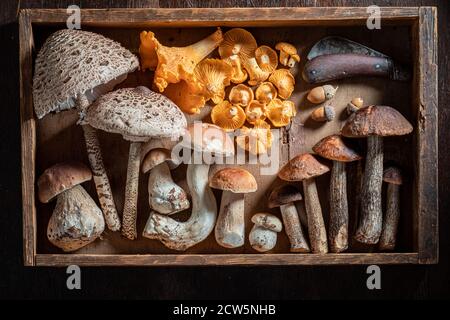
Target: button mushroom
x=334 y=148
x=288 y=54
x=205 y=139
x=230 y=226
x=373 y=122
x=263 y=236
x=76 y=220
x=305 y=168
x=138 y=114
x=284 y=198
x=164 y=195
x=72 y=69
x=393 y=177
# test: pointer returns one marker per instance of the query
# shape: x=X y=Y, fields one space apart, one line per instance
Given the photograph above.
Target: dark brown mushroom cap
x=376 y=121
x=61 y=177
x=393 y=175
x=302 y=167
x=334 y=148
x=236 y=180
x=284 y=194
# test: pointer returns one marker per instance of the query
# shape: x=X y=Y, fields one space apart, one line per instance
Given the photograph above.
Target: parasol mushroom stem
x=338 y=233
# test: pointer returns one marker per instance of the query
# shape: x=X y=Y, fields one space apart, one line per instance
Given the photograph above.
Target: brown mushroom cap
x=376 y=121
x=302 y=167
x=284 y=194
x=236 y=180
x=208 y=138
x=334 y=148
x=393 y=175
x=61 y=177
x=157 y=156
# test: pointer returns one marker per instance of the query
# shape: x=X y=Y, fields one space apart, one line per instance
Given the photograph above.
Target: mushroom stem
x=389 y=233
x=230 y=226
x=370 y=223
x=316 y=226
x=338 y=232
x=131 y=191
x=293 y=228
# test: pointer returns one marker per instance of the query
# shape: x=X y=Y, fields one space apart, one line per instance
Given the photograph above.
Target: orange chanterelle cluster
x=190 y=78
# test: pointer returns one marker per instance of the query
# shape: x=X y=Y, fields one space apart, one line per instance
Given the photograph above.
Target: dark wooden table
x=209 y=283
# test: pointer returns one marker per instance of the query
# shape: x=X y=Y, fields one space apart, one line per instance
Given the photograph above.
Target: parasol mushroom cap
x=393 y=175
x=334 y=148
x=138 y=114
x=74 y=62
x=227 y=116
x=376 y=121
x=284 y=82
x=284 y=194
x=157 y=156
x=267 y=58
x=61 y=177
x=302 y=167
x=235 y=180
x=241 y=95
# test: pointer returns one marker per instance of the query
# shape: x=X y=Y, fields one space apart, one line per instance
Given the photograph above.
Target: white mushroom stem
x=390 y=224
x=370 y=224
x=131 y=192
x=183 y=235
x=316 y=225
x=262 y=239
x=293 y=228
x=230 y=226
x=338 y=231
x=101 y=180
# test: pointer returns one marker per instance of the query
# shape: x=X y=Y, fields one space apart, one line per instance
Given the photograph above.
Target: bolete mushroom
x=334 y=148
x=230 y=226
x=227 y=116
x=305 y=168
x=263 y=236
x=284 y=198
x=76 y=220
x=284 y=82
x=164 y=195
x=373 y=122
x=72 y=69
x=393 y=177
x=138 y=114
x=201 y=138
x=288 y=54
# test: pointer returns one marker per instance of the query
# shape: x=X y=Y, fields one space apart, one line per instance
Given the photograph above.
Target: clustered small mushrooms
x=263 y=236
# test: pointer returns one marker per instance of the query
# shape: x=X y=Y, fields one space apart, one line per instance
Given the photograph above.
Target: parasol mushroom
x=72 y=69
x=373 y=122
x=138 y=114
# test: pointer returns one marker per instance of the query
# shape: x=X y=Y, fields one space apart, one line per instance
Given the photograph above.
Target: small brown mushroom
x=324 y=113
x=284 y=198
x=263 y=236
x=288 y=54
x=354 y=105
x=392 y=176
x=305 y=168
x=322 y=94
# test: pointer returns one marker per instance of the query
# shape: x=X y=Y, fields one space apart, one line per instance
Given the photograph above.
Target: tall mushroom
x=284 y=198
x=373 y=122
x=230 y=226
x=305 y=168
x=334 y=148
x=76 y=220
x=205 y=140
x=72 y=69
x=393 y=177
x=138 y=114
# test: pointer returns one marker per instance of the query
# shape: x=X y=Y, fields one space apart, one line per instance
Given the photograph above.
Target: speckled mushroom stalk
x=264 y=234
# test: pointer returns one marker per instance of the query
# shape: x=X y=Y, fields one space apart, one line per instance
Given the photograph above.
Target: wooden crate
x=408 y=34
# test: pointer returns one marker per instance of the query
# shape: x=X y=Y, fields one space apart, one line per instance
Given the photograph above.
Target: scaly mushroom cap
x=393 y=175
x=302 y=167
x=208 y=138
x=241 y=95
x=227 y=116
x=256 y=140
x=73 y=62
x=267 y=58
x=267 y=221
x=239 y=74
x=238 y=42
x=376 y=121
x=138 y=114
x=157 y=156
x=185 y=96
x=280 y=112
x=61 y=177
x=284 y=82
x=334 y=148
x=284 y=194
x=266 y=92
x=255 y=111
x=213 y=75
x=147 y=50
x=236 y=180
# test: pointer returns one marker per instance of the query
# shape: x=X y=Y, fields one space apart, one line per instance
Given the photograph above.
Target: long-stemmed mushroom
x=76 y=220
x=284 y=198
x=72 y=69
x=373 y=122
x=205 y=140
x=334 y=148
x=230 y=226
x=393 y=177
x=305 y=168
x=138 y=114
